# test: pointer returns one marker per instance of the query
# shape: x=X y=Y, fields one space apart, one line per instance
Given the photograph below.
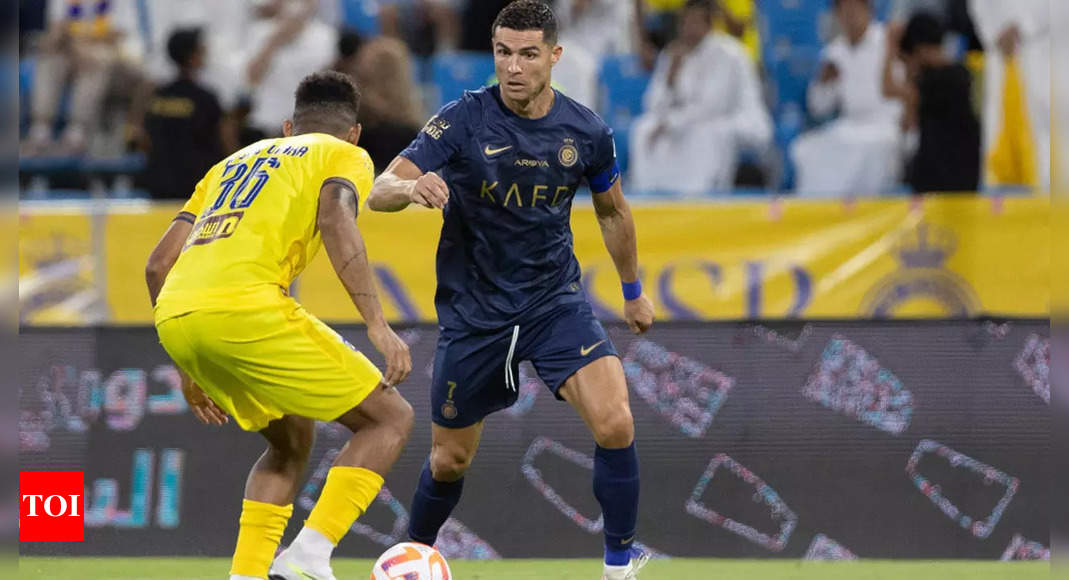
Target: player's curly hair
x=327 y=98
x=528 y=15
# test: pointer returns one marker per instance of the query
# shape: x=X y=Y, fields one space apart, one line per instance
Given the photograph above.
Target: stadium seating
x=27 y=66
x=790 y=43
x=361 y=16
x=790 y=31
x=453 y=73
x=623 y=82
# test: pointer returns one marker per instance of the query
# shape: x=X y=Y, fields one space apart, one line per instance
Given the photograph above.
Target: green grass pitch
x=675 y=569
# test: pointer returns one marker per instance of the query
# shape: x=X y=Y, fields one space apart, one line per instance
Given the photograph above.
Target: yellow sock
x=347 y=494
x=262 y=525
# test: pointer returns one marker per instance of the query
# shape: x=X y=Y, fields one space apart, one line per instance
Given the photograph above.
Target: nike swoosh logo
x=303 y=574
x=585 y=350
x=629 y=540
x=488 y=151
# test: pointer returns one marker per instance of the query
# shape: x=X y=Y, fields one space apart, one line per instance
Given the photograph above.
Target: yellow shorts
x=261 y=364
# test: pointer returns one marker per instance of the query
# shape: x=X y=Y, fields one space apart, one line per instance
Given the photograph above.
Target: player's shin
x=262 y=525
x=431 y=506
x=616 y=487
x=346 y=495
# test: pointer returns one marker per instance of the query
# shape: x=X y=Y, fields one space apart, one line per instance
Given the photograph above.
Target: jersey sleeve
x=603 y=171
x=195 y=204
x=441 y=138
x=351 y=166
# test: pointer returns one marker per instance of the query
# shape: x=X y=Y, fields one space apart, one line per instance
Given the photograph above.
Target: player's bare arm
x=345 y=247
x=165 y=254
x=160 y=262
x=403 y=184
x=618 y=231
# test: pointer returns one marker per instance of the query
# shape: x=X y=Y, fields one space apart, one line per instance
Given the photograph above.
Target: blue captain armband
x=601 y=182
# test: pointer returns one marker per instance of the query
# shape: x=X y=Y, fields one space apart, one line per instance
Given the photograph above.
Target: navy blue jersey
x=505 y=252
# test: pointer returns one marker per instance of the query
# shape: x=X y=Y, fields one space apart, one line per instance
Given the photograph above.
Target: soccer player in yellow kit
x=219 y=283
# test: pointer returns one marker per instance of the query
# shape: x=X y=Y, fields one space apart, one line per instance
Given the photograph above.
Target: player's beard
x=537 y=91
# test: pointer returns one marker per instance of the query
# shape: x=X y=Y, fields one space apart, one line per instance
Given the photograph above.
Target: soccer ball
x=411 y=561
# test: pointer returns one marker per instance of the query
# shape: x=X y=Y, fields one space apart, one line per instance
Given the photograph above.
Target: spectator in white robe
x=702 y=108
x=857 y=153
x=601 y=27
x=590 y=30
x=287 y=42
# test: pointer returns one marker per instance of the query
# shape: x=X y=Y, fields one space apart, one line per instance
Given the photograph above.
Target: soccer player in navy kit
x=510 y=158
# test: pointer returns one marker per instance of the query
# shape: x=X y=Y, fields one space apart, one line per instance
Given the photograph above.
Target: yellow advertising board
x=950 y=256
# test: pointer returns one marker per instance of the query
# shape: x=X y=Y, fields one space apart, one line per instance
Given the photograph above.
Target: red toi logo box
x=51 y=506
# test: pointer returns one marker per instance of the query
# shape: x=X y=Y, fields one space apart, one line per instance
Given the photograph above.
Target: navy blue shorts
x=476 y=374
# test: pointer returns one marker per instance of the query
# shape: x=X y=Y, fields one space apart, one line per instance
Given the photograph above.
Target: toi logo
x=51 y=506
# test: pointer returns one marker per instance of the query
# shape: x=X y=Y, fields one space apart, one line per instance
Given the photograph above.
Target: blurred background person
x=939 y=112
x=476 y=17
x=347 y=61
x=286 y=41
x=702 y=108
x=1017 y=41
x=857 y=152
x=426 y=26
x=390 y=107
x=600 y=27
x=590 y=31
x=739 y=19
x=84 y=43
x=183 y=123
x=960 y=33
x=223 y=25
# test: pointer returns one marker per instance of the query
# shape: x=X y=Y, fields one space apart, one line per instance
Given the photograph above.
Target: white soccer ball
x=411 y=561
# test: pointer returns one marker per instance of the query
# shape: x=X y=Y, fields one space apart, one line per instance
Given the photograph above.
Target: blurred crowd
x=921 y=95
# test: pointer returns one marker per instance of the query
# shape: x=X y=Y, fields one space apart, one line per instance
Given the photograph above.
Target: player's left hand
x=639 y=314
x=204 y=409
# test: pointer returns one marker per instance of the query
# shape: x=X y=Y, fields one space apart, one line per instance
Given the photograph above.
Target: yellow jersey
x=254 y=217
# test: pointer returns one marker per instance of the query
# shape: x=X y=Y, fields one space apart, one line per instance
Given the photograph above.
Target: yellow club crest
x=568 y=155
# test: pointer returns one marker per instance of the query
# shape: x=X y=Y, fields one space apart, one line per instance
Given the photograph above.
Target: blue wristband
x=632 y=290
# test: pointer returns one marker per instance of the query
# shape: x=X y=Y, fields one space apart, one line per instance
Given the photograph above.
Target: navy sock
x=616 y=487
x=431 y=506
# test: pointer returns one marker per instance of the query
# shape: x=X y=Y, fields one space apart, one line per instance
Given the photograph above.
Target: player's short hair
x=327 y=99
x=528 y=15
x=923 y=29
x=183 y=44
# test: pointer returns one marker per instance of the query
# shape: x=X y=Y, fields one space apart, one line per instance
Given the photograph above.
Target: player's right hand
x=394 y=350
x=203 y=407
x=430 y=191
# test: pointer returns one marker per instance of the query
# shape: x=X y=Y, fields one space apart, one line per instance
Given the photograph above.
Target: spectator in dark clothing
x=938 y=97
x=349 y=43
x=183 y=123
x=476 y=20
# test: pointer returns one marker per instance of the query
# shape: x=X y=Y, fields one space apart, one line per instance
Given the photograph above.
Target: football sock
x=346 y=495
x=616 y=488
x=261 y=527
x=431 y=506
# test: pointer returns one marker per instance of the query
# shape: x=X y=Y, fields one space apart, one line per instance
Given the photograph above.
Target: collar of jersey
x=558 y=99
